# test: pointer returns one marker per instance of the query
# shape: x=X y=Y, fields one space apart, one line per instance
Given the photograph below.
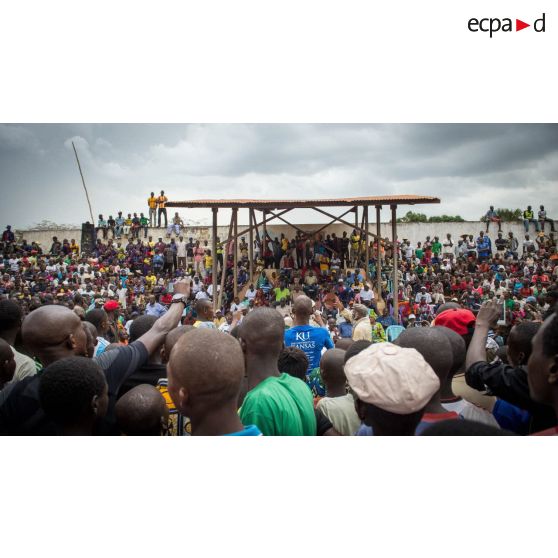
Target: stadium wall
x=415 y=232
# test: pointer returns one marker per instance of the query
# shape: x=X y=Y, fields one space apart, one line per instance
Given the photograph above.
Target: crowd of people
x=116 y=341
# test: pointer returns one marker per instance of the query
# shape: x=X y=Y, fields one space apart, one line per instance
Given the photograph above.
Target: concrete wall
x=415 y=232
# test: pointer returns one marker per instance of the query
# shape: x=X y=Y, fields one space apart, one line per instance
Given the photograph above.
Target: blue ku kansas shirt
x=311 y=340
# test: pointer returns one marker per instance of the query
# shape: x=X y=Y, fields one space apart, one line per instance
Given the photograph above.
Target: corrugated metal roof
x=403 y=199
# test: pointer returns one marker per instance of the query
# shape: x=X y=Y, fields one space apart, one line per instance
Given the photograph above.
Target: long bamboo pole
x=84 y=186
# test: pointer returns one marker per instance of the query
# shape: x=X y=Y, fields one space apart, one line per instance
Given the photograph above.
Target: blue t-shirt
x=251 y=430
x=311 y=340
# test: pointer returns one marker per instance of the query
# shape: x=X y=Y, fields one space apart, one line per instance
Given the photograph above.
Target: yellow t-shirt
x=208 y=261
x=152 y=202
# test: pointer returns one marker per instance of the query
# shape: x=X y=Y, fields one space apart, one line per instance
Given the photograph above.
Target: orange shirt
x=161 y=201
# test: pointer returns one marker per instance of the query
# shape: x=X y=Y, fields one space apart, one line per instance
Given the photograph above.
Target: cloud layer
x=468 y=166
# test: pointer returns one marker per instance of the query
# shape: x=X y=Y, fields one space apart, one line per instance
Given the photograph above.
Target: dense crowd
x=117 y=340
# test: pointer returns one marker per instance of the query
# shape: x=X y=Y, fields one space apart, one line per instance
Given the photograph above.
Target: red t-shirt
x=429 y=419
x=549 y=432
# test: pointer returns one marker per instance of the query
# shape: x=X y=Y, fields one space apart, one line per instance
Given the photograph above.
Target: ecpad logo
x=493 y=25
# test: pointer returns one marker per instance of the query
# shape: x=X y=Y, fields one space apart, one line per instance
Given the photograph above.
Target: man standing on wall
x=162 y=205
x=152 y=203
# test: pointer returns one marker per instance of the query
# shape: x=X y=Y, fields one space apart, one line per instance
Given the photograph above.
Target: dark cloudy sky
x=468 y=166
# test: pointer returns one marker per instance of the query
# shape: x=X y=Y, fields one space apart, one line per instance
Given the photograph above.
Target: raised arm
x=156 y=335
x=488 y=314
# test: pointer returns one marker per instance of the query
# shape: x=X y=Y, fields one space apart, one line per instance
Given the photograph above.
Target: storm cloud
x=469 y=166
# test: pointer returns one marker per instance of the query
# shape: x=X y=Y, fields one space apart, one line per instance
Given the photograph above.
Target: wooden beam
x=379 y=255
x=224 y=270
x=263 y=222
x=331 y=222
x=235 y=252
x=395 y=288
x=263 y=246
x=285 y=221
x=251 y=247
x=214 y=254
x=337 y=218
x=366 y=246
x=359 y=251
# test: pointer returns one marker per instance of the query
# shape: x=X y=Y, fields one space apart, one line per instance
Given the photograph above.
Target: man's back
x=280 y=406
x=311 y=340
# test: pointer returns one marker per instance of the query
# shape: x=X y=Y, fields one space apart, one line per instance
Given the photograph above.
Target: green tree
x=412 y=217
x=508 y=215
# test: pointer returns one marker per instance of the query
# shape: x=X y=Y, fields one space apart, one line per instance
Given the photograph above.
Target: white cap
x=393 y=378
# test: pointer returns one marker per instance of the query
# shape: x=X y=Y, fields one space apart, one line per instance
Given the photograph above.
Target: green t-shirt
x=144 y=221
x=280 y=406
x=419 y=252
x=280 y=294
x=436 y=247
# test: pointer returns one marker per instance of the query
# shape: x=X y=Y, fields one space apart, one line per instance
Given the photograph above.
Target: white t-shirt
x=420 y=295
x=251 y=294
x=470 y=411
x=201 y=295
x=181 y=249
x=367 y=295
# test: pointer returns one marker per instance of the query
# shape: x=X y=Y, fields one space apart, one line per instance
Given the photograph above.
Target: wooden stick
x=84 y=186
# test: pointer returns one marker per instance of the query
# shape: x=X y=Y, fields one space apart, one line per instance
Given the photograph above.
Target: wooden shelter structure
x=276 y=209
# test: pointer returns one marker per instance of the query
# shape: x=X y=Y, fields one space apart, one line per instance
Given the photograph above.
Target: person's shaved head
x=99 y=318
x=302 y=306
x=433 y=345
x=204 y=309
x=170 y=340
x=262 y=332
x=458 y=349
x=140 y=326
x=142 y=411
x=91 y=332
x=205 y=370
x=344 y=343
x=53 y=332
x=331 y=367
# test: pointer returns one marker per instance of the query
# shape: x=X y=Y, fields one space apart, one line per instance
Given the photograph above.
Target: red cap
x=456 y=319
x=111 y=305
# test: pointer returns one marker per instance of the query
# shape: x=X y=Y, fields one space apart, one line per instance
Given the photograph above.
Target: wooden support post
x=251 y=247
x=235 y=251
x=263 y=245
x=379 y=255
x=225 y=260
x=214 y=254
x=366 y=246
x=361 y=234
x=395 y=287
